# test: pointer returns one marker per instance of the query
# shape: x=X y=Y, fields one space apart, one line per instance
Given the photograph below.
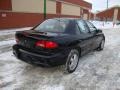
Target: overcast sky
x=102 y=4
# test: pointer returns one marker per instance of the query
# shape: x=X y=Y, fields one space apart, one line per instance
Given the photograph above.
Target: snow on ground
x=7 y=37
x=96 y=70
x=105 y=25
x=8 y=42
x=12 y=31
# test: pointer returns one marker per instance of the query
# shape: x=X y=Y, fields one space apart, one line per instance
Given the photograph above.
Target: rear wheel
x=101 y=46
x=72 y=61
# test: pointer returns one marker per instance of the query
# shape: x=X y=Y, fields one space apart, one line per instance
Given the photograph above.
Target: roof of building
x=116 y=6
x=82 y=3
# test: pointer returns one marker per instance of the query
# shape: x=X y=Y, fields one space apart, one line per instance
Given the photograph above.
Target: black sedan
x=58 y=41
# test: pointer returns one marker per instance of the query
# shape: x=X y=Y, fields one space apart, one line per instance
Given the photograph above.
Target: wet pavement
x=96 y=70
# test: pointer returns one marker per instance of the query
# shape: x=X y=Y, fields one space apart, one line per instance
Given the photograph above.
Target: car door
x=96 y=37
x=85 y=37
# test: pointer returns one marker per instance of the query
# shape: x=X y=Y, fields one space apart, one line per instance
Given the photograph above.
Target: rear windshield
x=53 y=25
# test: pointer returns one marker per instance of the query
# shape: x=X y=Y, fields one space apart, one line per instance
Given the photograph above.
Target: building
x=25 y=13
x=110 y=14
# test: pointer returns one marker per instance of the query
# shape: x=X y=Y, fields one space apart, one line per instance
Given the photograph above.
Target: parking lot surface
x=98 y=70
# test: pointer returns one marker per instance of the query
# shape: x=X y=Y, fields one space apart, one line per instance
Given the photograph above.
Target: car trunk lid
x=29 y=39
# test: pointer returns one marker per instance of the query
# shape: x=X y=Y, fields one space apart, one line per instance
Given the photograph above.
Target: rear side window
x=77 y=30
x=72 y=28
x=82 y=26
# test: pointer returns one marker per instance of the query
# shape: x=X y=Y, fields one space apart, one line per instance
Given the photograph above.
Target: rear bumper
x=37 y=59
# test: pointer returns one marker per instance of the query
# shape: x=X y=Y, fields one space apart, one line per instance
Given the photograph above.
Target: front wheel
x=72 y=61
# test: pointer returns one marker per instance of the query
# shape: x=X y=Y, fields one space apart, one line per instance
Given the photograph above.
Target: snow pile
x=8 y=33
x=12 y=31
x=104 y=25
x=8 y=42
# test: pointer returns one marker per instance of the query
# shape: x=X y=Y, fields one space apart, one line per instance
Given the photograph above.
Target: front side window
x=82 y=26
x=91 y=27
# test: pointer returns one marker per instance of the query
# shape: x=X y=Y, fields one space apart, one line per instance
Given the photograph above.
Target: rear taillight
x=46 y=44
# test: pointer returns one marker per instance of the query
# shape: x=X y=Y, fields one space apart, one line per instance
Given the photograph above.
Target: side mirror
x=99 y=31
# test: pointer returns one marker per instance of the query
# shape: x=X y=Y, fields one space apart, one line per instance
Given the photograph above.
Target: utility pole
x=44 y=9
x=107 y=8
x=107 y=4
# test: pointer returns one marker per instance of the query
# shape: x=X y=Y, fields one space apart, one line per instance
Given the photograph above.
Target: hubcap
x=73 y=61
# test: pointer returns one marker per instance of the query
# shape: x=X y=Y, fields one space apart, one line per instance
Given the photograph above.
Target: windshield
x=53 y=25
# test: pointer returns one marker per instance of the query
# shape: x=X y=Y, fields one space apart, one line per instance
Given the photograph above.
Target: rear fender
x=76 y=46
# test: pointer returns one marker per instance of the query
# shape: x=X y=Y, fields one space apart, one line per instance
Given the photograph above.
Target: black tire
x=101 y=46
x=73 y=58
